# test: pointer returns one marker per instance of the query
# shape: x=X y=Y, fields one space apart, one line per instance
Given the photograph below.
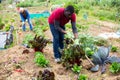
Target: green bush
x=7 y=27
x=114 y=49
x=10 y=1
x=84 y=5
x=76 y=68
x=1 y=7
x=74 y=5
x=27 y=38
x=24 y=4
x=82 y=77
x=115 y=67
x=115 y=3
x=104 y=15
x=41 y=60
x=1 y=23
x=41 y=0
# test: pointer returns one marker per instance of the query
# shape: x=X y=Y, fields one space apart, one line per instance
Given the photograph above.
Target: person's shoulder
x=74 y=14
x=60 y=10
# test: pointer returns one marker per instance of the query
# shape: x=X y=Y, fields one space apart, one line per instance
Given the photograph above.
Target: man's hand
x=75 y=35
x=26 y=20
x=23 y=23
x=64 y=31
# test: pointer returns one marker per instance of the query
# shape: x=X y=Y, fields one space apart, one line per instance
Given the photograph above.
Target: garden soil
x=10 y=58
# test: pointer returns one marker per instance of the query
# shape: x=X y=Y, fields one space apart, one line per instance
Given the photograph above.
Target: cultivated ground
x=14 y=55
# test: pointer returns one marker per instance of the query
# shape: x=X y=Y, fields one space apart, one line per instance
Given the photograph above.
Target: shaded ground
x=14 y=56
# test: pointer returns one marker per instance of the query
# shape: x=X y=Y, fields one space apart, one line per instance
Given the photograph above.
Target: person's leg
x=61 y=36
x=30 y=24
x=61 y=39
x=23 y=27
x=55 y=34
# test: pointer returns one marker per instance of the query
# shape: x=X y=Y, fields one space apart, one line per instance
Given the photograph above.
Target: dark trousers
x=30 y=24
x=58 y=38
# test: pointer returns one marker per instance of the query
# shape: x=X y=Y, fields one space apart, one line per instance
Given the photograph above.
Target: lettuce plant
x=114 y=49
x=115 y=67
x=76 y=68
x=82 y=77
x=41 y=60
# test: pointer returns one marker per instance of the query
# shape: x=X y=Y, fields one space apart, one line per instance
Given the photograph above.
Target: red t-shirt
x=58 y=15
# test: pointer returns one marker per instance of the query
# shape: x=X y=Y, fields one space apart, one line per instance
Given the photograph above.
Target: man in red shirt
x=57 y=21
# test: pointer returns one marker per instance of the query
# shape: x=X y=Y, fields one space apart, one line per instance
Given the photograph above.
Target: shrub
x=24 y=4
x=115 y=3
x=45 y=75
x=74 y=5
x=41 y=60
x=114 y=49
x=82 y=77
x=103 y=15
x=76 y=68
x=2 y=25
x=115 y=67
x=41 y=0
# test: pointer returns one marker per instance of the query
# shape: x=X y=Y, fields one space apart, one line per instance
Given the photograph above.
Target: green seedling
x=76 y=68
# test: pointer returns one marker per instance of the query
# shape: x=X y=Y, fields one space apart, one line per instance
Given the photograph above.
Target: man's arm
x=22 y=18
x=74 y=29
x=57 y=26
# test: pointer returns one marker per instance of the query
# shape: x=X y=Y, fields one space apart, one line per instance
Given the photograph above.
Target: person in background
x=57 y=21
x=25 y=16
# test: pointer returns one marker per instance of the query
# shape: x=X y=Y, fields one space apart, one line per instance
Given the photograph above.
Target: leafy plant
x=7 y=27
x=82 y=27
x=24 y=4
x=114 y=49
x=71 y=54
x=1 y=23
x=10 y=1
x=40 y=26
x=74 y=5
x=82 y=77
x=89 y=52
x=103 y=15
x=39 y=42
x=115 y=3
x=101 y=42
x=100 y=57
x=76 y=68
x=75 y=50
x=12 y=20
x=87 y=40
x=68 y=39
x=27 y=38
x=37 y=29
x=41 y=0
x=115 y=67
x=46 y=75
x=41 y=60
x=1 y=7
